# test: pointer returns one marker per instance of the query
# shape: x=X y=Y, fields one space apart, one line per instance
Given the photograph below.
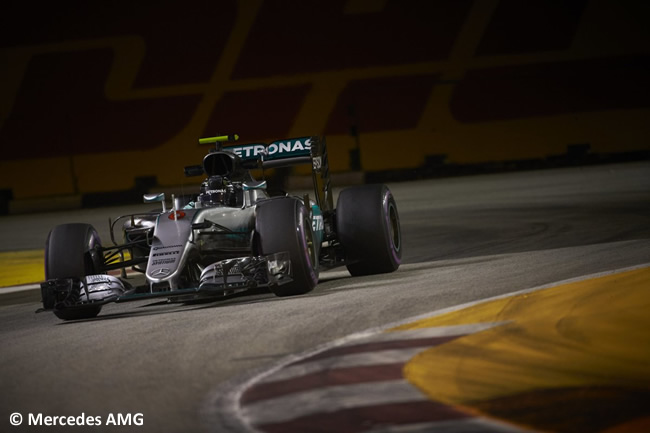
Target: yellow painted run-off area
x=21 y=267
x=574 y=357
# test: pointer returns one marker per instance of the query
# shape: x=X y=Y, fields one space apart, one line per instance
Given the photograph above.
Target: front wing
x=220 y=279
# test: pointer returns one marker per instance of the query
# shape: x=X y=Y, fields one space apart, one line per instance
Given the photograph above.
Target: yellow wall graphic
x=94 y=98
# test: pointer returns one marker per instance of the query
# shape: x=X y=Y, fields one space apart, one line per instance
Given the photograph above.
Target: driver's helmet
x=217 y=191
x=212 y=198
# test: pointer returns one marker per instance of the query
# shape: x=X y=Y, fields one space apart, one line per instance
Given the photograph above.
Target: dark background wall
x=113 y=95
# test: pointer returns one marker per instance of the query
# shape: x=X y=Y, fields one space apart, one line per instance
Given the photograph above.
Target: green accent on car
x=317 y=224
x=219 y=139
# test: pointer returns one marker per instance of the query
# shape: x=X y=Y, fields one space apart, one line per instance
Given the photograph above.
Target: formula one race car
x=231 y=237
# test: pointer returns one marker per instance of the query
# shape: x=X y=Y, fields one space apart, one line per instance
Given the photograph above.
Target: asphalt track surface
x=465 y=240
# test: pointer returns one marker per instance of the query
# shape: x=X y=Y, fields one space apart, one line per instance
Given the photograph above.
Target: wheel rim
x=95 y=261
x=393 y=227
x=310 y=249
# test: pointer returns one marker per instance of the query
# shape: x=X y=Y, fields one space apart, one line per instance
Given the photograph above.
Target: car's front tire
x=71 y=251
x=284 y=224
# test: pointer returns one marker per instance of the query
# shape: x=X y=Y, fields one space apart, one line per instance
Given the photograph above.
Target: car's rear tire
x=284 y=224
x=368 y=228
x=71 y=251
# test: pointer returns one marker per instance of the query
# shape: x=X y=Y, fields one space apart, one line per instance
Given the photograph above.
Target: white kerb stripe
x=435 y=331
x=330 y=399
x=378 y=357
x=367 y=359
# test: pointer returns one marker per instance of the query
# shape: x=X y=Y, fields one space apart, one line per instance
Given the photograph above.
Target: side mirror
x=152 y=198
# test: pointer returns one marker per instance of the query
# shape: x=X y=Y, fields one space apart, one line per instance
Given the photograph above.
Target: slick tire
x=70 y=252
x=79 y=314
x=284 y=224
x=368 y=228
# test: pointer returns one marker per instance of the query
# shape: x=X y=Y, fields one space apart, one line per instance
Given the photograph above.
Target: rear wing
x=281 y=153
x=284 y=153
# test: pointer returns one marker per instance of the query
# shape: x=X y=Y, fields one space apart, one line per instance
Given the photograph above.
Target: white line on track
x=37 y=286
x=378 y=357
x=292 y=406
x=21 y=288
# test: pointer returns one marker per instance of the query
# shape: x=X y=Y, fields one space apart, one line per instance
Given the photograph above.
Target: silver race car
x=231 y=237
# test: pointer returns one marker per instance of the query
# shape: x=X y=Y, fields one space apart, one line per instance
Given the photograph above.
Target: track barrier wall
x=103 y=105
